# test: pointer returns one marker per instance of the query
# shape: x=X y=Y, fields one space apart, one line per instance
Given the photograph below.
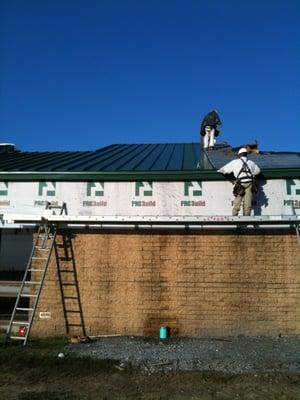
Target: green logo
x=140 y=188
x=4 y=190
x=92 y=189
x=193 y=188
x=290 y=189
x=47 y=188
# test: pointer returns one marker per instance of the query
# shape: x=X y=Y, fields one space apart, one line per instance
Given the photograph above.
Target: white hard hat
x=242 y=150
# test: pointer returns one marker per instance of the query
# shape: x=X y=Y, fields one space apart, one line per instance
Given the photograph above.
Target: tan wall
x=198 y=284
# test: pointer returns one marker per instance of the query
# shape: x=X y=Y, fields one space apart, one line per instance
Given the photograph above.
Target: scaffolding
x=155 y=222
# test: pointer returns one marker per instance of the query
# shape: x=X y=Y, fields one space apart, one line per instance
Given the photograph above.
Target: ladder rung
x=28 y=295
x=20 y=323
x=74 y=324
x=41 y=248
x=68 y=284
x=37 y=270
x=48 y=237
x=24 y=309
x=39 y=258
x=73 y=311
x=70 y=298
x=17 y=337
x=32 y=283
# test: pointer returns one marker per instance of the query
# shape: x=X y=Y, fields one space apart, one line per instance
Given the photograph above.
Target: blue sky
x=79 y=75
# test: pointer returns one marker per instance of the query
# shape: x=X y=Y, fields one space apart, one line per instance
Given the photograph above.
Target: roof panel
x=189 y=157
x=107 y=160
x=130 y=153
x=176 y=160
x=48 y=162
x=154 y=154
x=162 y=160
x=30 y=161
x=264 y=160
x=97 y=158
x=143 y=157
x=68 y=161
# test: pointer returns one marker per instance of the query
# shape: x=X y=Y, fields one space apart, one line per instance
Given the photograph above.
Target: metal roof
x=122 y=157
x=174 y=161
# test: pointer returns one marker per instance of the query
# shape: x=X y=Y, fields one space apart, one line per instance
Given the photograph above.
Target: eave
x=129 y=176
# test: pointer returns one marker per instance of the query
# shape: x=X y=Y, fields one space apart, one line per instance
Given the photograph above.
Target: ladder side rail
x=63 y=209
x=29 y=263
x=40 y=287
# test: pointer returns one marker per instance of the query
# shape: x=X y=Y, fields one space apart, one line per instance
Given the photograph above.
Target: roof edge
x=207 y=175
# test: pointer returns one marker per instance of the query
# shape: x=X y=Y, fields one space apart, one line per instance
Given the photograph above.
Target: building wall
x=147 y=198
x=206 y=283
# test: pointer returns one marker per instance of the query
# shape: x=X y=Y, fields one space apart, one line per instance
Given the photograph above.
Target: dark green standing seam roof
x=127 y=162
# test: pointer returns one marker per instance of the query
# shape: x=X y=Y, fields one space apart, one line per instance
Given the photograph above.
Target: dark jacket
x=211 y=119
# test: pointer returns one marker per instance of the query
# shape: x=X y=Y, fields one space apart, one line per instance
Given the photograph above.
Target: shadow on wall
x=260 y=200
x=68 y=282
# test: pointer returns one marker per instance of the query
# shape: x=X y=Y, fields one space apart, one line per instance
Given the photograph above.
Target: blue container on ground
x=163 y=332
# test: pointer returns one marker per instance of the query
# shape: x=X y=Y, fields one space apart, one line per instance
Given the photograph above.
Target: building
x=148 y=240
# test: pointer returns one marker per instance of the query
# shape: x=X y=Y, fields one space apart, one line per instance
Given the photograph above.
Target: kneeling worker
x=210 y=129
x=244 y=171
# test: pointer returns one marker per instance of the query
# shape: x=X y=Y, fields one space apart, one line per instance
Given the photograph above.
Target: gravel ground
x=227 y=355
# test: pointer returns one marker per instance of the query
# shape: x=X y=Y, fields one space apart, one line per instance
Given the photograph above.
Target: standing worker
x=244 y=171
x=210 y=129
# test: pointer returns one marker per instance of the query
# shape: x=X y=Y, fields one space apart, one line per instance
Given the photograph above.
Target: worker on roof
x=244 y=171
x=210 y=129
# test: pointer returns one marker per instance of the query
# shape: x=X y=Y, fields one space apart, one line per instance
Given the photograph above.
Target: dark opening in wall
x=7 y=306
x=15 y=249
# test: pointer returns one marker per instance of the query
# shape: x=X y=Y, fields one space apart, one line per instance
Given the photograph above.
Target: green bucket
x=163 y=332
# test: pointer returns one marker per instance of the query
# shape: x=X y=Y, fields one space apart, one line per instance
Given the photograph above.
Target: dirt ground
x=36 y=372
x=135 y=385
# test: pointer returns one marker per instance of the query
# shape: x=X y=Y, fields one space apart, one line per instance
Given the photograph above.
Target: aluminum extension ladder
x=31 y=289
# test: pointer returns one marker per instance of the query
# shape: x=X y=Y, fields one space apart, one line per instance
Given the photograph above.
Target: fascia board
x=205 y=175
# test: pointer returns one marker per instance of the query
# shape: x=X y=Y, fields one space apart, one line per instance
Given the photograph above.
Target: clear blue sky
x=82 y=74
